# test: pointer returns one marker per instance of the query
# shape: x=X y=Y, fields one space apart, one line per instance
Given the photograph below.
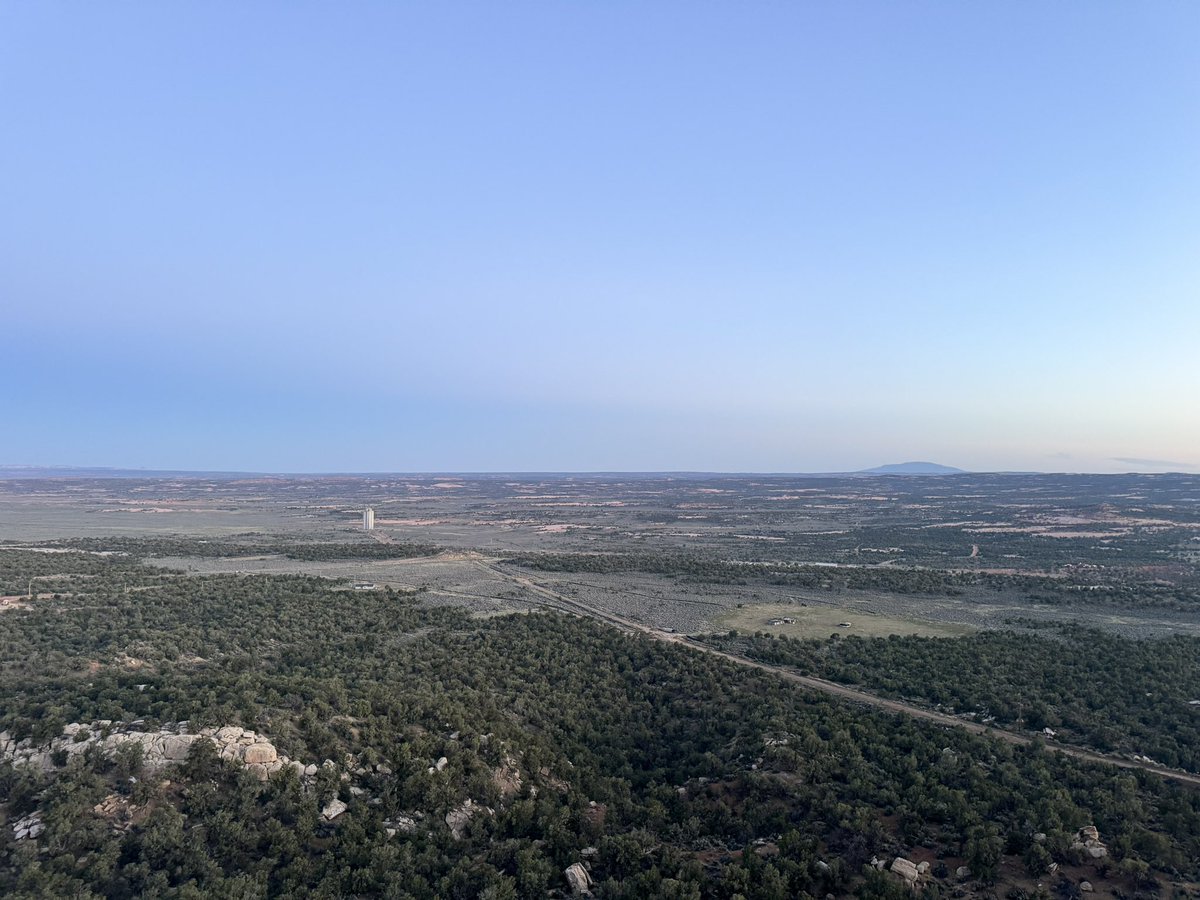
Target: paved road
x=820 y=684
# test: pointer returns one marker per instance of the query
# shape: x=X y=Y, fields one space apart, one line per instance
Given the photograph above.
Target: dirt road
x=820 y=684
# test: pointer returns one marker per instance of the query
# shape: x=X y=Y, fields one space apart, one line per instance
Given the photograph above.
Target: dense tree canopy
x=1090 y=687
x=679 y=773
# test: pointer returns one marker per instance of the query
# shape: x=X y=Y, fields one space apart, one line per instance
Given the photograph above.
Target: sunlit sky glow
x=600 y=236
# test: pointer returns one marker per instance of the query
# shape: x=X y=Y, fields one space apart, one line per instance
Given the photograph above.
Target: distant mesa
x=913 y=468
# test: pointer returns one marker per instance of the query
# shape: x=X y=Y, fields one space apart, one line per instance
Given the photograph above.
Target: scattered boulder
x=507 y=778
x=118 y=811
x=406 y=824
x=906 y=869
x=333 y=809
x=962 y=872
x=457 y=819
x=28 y=827
x=1088 y=840
x=1086 y=887
x=579 y=880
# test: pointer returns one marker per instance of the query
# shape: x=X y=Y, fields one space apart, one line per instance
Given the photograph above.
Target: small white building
x=368 y=519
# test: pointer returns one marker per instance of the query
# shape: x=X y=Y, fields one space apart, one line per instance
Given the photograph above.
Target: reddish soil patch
x=596 y=814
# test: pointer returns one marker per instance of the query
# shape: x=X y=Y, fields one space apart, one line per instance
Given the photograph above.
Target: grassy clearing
x=822 y=621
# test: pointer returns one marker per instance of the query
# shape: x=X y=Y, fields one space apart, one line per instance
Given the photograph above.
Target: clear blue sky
x=737 y=236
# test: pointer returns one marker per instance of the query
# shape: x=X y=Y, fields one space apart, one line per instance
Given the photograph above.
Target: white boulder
x=333 y=809
x=579 y=880
x=260 y=752
x=906 y=869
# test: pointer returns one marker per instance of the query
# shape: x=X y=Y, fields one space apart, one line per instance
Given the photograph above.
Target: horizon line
x=116 y=472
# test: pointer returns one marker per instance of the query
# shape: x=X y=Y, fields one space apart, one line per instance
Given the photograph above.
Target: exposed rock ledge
x=161 y=748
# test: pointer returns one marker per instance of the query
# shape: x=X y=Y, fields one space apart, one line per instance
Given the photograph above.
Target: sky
x=564 y=236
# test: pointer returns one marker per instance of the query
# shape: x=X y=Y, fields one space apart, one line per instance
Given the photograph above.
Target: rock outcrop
x=1088 y=840
x=579 y=880
x=260 y=752
x=169 y=745
x=120 y=812
x=507 y=778
x=333 y=809
x=457 y=819
x=401 y=824
x=907 y=870
x=28 y=827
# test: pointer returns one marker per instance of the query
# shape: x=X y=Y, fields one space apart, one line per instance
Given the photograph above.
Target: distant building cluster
x=368 y=519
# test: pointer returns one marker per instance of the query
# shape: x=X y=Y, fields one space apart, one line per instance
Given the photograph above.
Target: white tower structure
x=368 y=519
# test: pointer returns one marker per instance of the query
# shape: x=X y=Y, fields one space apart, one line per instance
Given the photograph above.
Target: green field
x=822 y=621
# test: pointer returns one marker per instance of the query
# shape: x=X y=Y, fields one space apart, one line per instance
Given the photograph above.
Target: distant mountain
x=913 y=468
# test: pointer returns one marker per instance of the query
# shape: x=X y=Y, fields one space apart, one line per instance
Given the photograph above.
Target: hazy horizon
x=7 y=470
x=568 y=238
